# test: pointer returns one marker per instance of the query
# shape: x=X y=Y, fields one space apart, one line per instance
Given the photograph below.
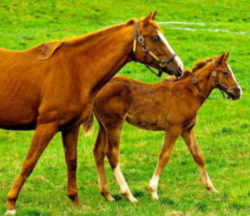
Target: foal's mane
x=188 y=73
x=200 y=64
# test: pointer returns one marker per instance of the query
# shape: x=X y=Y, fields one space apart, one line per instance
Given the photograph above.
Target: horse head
x=224 y=77
x=151 y=47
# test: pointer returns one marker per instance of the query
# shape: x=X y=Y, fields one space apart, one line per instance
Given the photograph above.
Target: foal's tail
x=88 y=126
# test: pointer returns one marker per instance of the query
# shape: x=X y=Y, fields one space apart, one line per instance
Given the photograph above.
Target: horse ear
x=153 y=15
x=222 y=58
x=227 y=54
x=148 y=18
x=47 y=50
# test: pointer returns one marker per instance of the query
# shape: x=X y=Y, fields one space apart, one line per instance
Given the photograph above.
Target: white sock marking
x=154 y=182
x=230 y=69
x=123 y=184
x=179 y=62
x=121 y=180
x=153 y=185
x=10 y=212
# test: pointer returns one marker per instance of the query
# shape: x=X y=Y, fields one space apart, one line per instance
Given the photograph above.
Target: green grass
x=222 y=130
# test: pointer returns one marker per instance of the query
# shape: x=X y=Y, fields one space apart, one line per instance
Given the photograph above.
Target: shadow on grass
x=33 y=212
x=167 y=201
x=136 y=193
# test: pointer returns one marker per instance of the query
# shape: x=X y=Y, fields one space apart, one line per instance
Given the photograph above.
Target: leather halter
x=196 y=84
x=138 y=38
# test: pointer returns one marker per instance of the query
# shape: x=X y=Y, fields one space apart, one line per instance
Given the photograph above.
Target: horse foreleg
x=41 y=138
x=113 y=156
x=99 y=154
x=168 y=144
x=190 y=140
x=70 y=138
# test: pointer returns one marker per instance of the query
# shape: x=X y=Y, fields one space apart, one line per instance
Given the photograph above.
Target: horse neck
x=101 y=55
x=205 y=81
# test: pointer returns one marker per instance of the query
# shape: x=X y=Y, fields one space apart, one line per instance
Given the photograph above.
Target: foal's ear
x=223 y=58
x=227 y=54
x=153 y=15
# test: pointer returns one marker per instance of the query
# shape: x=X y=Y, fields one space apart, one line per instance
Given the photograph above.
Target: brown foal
x=51 y=87
x=170 y=105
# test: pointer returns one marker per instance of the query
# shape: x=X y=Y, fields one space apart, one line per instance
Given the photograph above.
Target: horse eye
x=225 y=73
x=155 y=38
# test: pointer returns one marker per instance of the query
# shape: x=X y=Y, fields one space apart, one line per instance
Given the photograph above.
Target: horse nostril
x=179 y=72
x=238 y=91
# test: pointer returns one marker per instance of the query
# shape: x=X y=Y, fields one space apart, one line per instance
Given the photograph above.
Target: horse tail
x=88 y=126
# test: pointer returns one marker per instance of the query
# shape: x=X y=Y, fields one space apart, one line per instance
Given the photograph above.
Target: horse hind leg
x=99 y=154
x=113 y=157
x=41 y=138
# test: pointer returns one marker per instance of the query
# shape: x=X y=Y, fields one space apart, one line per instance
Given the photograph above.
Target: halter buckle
x=140 y=39
x=194 y=80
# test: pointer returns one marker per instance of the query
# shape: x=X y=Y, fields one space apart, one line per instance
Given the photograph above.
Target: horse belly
x=148 y=114
x=14 y=115
x=145 y=122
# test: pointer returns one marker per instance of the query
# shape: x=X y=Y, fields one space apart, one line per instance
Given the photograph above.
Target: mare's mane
x=109 y=29
x=89 y=36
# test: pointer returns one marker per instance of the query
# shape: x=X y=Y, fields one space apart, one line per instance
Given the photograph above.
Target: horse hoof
x=212 y=189
x=154 y=196
x=153 y=192
x=132 y=199
x=77 y=203
x=10 y=212
x=110 y=198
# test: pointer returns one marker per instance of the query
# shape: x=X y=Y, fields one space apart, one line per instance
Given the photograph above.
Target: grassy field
x=222 y=130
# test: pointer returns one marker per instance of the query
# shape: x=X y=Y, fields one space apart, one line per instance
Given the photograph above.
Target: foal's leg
x=113 y=156
x=168 y=144
x=70 y=138
x=190 y=140
x=41 y=138
x=99 y=154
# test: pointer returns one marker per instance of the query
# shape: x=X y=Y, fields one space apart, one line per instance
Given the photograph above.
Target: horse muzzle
x=234 y=93
x=172 y=65
x=177 y=72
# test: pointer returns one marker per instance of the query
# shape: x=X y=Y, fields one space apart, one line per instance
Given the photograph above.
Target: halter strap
x=138 y=38
x=196 y=84
x=218 y=85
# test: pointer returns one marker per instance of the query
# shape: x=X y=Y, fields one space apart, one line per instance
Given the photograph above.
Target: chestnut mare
x=51 y=87
x=169 y=105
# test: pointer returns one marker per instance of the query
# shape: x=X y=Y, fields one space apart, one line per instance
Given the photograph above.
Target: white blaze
x=177 y=58
x=230 y=69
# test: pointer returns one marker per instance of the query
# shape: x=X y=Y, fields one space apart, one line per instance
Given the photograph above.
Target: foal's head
x=151 y=47
x=222 y=76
